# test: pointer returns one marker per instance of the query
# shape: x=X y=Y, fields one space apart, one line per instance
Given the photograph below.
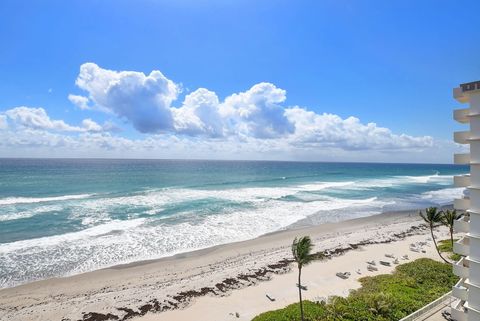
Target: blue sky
x=389 y=63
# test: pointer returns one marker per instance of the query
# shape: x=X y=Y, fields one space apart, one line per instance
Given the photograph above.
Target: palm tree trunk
x=451 y=236
x=435 y=243
x=300 y=292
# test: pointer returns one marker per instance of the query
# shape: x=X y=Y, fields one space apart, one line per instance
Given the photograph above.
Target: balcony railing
x=461 y=203
x=472 y=309
x=462 y=225
x=461 y=137
x=459 y=95
x=442 y=301
x=460 y=291
x=461 y=115
x=461 y=180
x=462 y=246
x=461 y=159
x=460 y=268
x=458 y=311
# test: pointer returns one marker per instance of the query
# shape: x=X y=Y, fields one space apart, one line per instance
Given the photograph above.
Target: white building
x=467 y=290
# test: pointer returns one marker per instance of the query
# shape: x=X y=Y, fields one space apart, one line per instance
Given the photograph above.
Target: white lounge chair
x=343 y=275
x=372 y=268
x=303 y=287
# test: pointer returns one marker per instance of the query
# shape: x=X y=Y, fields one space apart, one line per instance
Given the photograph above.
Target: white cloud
x=38 y=119
x=146 y=101
x=257 y=112
x=91 y=126
x=143 y=100
x=199 y=115
x=79 y=101
x=3 y=122
x=329 y=130
x=255 y=123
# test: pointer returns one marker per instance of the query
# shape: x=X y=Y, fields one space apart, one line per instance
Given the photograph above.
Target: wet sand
x=216 y=283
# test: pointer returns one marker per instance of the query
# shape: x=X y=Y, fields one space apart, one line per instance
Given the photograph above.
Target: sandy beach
x=216 y=283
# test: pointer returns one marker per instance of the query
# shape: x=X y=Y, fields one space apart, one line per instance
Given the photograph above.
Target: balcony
x=461 y=137
x=473 y=310
x=462 y=225
x=460 y=268
x=460 y=291
x=461 y=115
x=459 y=95
x=462 y=246
x=458 y=311
x=461 y=203
x=461 y=159
x=461 y=180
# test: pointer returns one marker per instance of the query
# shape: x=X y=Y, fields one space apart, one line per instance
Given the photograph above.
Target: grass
x=445 y=246
x=381 y=298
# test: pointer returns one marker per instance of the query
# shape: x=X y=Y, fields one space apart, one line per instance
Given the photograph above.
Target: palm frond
x=301 y=250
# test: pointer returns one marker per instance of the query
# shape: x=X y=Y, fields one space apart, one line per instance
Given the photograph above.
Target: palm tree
x=448 y=219
x=432 y=217
x=301 y=250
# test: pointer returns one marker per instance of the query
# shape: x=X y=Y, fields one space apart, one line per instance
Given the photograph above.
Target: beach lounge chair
x=395 y=261
x=372 y=268
x=371 y=262
x=303 y=287
x=343 y=275
x=358 y=271
x=414 y=249
x=405 y=257
x=271 y=298
x=385 y=263
x=389 y=256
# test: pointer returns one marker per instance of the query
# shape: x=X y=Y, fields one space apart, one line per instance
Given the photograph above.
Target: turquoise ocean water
x=62 y=217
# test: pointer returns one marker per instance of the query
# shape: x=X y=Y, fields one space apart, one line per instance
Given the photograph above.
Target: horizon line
x=226 y=160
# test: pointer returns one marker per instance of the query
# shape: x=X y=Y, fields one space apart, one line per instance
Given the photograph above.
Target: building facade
x=467 y=290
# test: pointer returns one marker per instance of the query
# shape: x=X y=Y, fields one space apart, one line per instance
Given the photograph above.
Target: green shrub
x=446 y=246
x=381 y=298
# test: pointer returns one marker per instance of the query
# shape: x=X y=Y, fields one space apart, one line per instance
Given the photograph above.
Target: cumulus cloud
x=38 y=119
x=3 y=122
x=258 y=113
x=329 y=130
x=79 y=101
x=199 y=115
x=242 y=125
x=144 y=100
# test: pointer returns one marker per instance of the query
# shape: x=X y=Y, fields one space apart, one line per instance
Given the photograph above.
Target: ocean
x=61 y=217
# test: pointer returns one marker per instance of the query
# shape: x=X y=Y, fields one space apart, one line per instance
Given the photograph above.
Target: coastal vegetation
x=446 y=246
x=301 y=251
x=381 y=298
x=433 y=217
x=448 y=219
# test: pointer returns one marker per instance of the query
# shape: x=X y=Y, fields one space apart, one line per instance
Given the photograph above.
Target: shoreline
x=297 y=226
x=174 y=282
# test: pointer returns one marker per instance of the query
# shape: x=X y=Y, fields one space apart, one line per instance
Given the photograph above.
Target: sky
x=325 y=80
